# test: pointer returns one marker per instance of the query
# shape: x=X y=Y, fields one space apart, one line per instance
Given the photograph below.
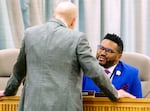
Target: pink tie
x=107 y=71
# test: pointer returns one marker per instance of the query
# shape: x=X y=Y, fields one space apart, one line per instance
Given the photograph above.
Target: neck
x=61 y=19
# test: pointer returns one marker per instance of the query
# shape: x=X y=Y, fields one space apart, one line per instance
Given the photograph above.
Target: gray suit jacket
x=51 y=59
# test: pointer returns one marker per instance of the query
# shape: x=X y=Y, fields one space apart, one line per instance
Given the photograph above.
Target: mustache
x=98 y=56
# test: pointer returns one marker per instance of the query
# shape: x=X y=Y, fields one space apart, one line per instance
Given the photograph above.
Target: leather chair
x=142 y=62
x=7 y=60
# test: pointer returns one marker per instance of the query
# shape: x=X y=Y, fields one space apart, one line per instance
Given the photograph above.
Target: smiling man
x=122 y=75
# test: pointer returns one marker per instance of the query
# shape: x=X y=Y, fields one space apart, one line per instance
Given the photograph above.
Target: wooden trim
x=125 y=104
x=90 y=103
x=9 y=103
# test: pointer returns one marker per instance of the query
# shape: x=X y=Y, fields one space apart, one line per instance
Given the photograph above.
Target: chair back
x=142 y=62
x=7 y=59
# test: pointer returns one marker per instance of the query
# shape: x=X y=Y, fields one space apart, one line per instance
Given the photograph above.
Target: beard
x=107 y=64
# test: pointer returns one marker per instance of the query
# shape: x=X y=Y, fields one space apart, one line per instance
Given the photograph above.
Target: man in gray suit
x=51 y=59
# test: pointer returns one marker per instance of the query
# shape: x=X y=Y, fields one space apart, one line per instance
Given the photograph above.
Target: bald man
x=51 y=58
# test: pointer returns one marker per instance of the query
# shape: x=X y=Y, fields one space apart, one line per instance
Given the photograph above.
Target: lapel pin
x=118 y=73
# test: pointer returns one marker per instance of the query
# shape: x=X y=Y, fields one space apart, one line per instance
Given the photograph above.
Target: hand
x=2 y=93
x=124 y=94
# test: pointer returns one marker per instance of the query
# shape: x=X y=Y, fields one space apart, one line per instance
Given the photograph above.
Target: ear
x=119 y=56
x=72 y=23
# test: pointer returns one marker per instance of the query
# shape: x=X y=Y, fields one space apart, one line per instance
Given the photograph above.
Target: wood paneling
x=124 y=104
x=90 y=103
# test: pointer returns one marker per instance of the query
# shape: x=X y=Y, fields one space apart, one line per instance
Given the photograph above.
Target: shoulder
x=35 y=28
x=127 y=65
x=128 y=68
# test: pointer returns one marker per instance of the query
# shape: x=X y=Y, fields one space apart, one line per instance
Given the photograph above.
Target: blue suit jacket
x=127 y=80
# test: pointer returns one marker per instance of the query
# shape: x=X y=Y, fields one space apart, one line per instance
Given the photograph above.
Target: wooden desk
x=125 y=104
x=90 y=103
x=9 y=103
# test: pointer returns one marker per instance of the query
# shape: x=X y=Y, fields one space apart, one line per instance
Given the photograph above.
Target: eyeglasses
x=108 y=50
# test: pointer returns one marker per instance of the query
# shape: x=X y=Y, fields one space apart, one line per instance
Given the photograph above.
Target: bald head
x=66 y=12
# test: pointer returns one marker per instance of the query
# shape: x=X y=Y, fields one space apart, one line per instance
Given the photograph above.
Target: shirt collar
x=111 y=69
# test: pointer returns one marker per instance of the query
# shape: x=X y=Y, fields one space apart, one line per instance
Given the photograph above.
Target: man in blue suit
x=122 y=75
